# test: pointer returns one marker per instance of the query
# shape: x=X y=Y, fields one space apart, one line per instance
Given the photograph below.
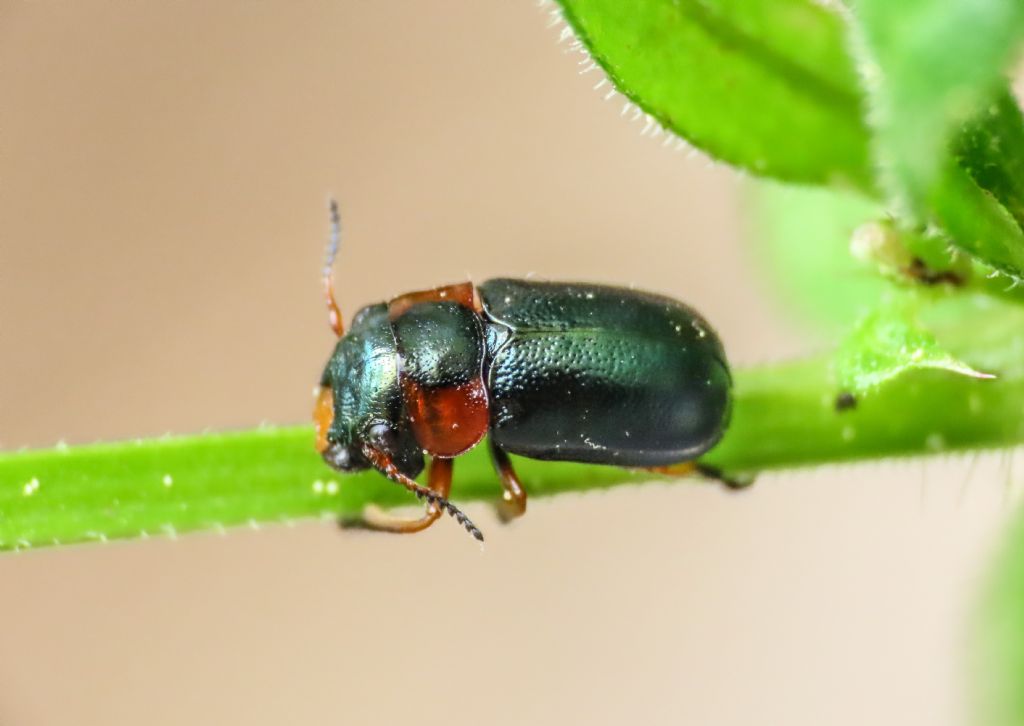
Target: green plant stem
x=784 y=417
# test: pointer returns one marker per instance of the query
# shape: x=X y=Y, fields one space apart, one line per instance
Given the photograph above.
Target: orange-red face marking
x=323 y=417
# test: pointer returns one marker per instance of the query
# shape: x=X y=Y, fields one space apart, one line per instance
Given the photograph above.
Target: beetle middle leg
x=513 y=500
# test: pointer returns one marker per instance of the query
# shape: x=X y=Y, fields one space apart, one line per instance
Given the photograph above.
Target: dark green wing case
x=601 y=374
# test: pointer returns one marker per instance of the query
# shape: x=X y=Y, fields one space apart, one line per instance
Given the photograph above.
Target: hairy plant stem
x=784 y=416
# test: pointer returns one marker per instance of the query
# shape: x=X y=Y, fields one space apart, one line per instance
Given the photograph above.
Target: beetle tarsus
x=730 y=481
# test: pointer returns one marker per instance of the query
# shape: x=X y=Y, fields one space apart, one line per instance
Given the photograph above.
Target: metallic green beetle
x=550 y=370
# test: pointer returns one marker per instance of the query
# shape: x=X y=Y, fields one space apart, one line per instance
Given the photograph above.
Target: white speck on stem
x=168 y=480
x=31 y=487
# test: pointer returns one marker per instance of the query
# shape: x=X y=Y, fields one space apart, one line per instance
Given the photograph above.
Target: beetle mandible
x=548 y=370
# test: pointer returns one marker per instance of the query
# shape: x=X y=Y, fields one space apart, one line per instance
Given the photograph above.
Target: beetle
x=546 y=370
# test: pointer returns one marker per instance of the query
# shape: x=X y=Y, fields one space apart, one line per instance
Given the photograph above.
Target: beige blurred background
x=163 y=175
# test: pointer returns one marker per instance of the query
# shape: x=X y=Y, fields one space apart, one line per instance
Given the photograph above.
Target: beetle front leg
x=439 y=481
x=513 y=500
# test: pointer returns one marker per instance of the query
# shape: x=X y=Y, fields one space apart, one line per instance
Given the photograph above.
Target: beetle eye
x=382 y=437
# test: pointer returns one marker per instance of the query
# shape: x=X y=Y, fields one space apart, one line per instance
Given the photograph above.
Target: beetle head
x=360 y=403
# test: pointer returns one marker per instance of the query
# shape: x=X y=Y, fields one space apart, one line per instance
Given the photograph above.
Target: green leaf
x=937 y=61
x=932 y=66
x=765 y=85
x=887 y=343
x=991 y=148
x=801 y=237
x=977 y=224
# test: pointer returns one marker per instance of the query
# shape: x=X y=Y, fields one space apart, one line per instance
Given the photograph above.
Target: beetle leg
x=728 y=480
x=513 y=500
x=383 y=463
x=688 y=468
x=439 y=481
x=685 y=468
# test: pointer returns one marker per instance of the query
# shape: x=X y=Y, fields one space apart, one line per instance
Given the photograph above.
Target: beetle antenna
x=333 y=243
x=384 y=464
x=442 y=503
